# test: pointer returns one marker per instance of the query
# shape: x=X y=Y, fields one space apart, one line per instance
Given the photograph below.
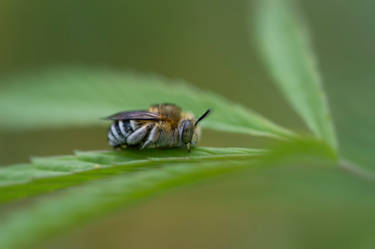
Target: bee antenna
x=202 y=117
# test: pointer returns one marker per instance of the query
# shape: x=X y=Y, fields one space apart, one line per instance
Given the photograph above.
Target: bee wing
x=136 y=115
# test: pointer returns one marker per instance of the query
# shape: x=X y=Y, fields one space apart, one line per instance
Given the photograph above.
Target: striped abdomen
x=143 y=135
x=118 y=133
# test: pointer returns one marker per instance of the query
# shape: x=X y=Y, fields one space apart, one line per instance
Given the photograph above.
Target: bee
x=161 y=126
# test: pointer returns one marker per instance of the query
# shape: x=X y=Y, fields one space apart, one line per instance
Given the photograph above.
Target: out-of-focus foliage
x=81 y=97
x=285 y=45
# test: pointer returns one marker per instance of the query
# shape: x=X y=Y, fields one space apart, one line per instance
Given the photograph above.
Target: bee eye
x=187 y=132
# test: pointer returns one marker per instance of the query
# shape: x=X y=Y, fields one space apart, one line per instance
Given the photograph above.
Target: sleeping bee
x=162 y=126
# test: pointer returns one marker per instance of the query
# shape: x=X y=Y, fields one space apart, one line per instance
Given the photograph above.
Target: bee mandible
x=161 y=126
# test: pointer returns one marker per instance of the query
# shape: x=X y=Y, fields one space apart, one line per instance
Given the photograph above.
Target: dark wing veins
x=136 y=115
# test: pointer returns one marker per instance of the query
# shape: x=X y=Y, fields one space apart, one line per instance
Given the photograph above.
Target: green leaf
x=284 y=43
x=61 y=98
x=287 y=207
x=51 y=215
x=51 y=173
x=55 y=214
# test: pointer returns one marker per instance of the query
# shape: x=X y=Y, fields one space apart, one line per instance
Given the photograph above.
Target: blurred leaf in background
x=66 y=98
x=285 y=45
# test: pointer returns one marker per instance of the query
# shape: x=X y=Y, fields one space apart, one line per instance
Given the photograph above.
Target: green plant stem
x=357 y=170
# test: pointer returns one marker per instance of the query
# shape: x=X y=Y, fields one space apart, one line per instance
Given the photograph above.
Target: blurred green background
x=208 y=44
x=204 y=42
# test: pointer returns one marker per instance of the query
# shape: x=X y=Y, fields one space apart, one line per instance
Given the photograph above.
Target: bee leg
x=152 y=137
x=137 y=136
x=188 y=147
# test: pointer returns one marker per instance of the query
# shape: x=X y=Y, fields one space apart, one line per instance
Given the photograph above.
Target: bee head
x=190 y=132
